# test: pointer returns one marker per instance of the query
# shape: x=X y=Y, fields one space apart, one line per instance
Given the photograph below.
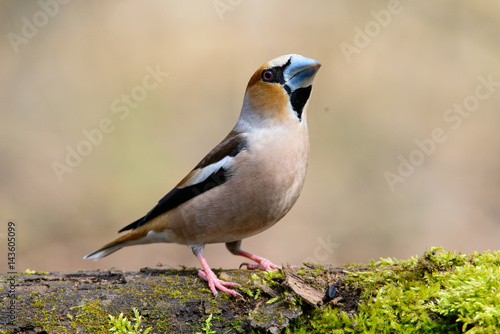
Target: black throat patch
x=298 y=99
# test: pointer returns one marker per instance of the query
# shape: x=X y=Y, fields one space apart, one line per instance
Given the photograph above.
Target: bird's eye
x=267 y=75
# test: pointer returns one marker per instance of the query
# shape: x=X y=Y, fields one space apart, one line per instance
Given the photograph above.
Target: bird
x=247 y=183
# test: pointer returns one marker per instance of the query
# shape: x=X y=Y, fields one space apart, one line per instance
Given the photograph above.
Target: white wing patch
x=202 y=174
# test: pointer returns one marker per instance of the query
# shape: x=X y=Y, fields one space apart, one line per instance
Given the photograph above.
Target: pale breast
x=265 y=182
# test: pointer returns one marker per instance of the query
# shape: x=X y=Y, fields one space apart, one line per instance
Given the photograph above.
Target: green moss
x=46 y=315
x=173 y=289
x=440 y=292
x=206 y=328
x=471 y=294
x=90 y=316
x=121 y=325
x=271 y=277
x=34 y=272
x=236 y=324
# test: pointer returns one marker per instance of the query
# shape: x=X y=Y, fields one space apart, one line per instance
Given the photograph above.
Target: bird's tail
x=137 y=236
x=134 y=237
x=104 y=251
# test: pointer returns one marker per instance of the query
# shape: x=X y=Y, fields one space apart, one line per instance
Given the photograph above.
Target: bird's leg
x=263 y=263
x=208 y=275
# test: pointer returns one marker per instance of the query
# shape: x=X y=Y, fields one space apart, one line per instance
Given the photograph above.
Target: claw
x=246 y=264
x=215 y=284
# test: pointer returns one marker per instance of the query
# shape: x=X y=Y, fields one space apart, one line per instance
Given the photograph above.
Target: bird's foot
x=217 y=284
x=262 y=263
x=264 y=266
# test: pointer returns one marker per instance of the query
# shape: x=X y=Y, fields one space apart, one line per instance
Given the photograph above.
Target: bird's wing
x=209 y=173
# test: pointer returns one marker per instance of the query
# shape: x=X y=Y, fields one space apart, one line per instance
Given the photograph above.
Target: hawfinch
x=244 y=185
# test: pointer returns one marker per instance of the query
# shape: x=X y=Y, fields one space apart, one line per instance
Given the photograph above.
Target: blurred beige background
x=392 y=74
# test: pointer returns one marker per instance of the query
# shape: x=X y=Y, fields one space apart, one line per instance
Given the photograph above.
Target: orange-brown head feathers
x=279 y=89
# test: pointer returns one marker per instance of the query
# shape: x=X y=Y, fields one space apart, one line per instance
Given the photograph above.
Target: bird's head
x=279 y=90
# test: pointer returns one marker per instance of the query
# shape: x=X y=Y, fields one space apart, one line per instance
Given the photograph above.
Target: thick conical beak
x=301 y=71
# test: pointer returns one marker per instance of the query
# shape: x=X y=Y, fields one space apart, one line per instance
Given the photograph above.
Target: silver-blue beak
x=301 y=71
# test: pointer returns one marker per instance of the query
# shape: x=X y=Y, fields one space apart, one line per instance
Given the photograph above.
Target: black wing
x=233 y=144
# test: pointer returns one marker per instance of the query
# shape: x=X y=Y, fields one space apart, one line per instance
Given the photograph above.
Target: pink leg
x=263 y=263
x=213 y=281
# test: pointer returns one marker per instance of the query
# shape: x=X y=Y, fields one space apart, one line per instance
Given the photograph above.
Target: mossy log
x=169 y=301
x=438 y=292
